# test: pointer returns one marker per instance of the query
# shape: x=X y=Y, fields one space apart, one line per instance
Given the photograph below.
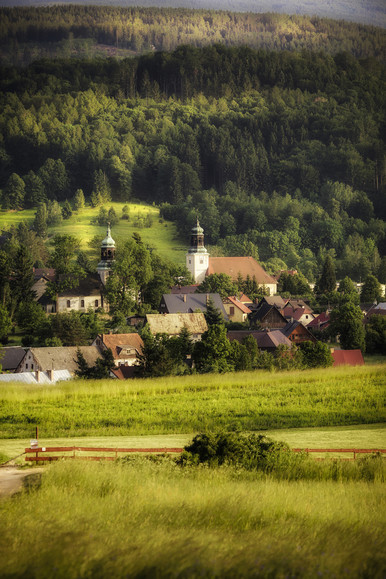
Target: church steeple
x=197 y=258
x=107 y=256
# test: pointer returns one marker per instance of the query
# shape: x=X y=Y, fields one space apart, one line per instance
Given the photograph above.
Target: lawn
x=248 y=401
x=161 y=236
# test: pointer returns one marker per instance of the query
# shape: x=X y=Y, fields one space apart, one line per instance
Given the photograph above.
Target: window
x=82 y=303
x=32 y=366
x=232 y=311
x=96 y=303
x=68 y=303
x=201 y=260
x=26 y=366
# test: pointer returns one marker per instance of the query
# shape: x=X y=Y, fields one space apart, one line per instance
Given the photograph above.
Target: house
x=235 y=309
x=123 y=372
x=277 y=301
x=88 y=294
x=10 y=358
x=189 y=303
x=320 y=322
x=267 y=316
x=301 y=314
x=172 y=324
x=297 y=333
x=266 y=340
x=200 y=264
x=57 y=358
x=42 y=277
x=347 y=358
x=125 y=347
x=38 y=377
x=375 y=310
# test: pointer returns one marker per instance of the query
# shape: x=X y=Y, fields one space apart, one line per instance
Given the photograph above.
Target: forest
x=27 y=34
x=280 y=154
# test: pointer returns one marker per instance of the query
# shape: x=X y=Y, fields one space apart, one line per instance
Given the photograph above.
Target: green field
x=146 y=519
x=250 y=401
x=161 y=236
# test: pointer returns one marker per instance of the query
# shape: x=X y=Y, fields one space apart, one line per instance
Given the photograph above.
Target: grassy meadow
x=148 y=519
x=248 y=401
x=162 y=235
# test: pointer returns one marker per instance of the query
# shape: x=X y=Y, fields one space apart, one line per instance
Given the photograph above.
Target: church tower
x=197 y=258
x=107 y=256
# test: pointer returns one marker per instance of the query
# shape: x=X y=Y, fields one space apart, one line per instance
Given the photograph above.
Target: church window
x=82 y=303
x=96 y=303
x=68 y=303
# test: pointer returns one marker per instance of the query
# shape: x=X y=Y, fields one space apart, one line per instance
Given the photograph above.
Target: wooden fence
x=52 y=453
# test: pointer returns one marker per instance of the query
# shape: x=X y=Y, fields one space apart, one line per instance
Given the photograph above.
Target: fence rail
x=43 y=454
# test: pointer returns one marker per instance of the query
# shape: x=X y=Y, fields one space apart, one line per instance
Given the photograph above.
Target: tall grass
x=243 y=401
x=145 y=519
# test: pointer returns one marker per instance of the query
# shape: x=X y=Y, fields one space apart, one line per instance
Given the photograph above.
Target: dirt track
x=13 y=479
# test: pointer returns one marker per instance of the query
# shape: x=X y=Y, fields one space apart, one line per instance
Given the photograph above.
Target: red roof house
x=347 y=358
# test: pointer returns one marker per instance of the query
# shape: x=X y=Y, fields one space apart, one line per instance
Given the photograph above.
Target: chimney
x=207 y=299
x=37 y=374
x=184 y=297
x=50 y=375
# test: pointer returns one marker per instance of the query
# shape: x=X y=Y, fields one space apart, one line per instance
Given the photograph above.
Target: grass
x=144 y=519
x=247 y=401
x=359 y=436
x=161 y=236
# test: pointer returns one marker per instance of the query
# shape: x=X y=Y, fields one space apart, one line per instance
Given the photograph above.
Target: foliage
x=218 y=283
x=327 y=281
x=371 y=290
x=213 y=352
x=250 y=451
x=376 y=335
x=101 y=369
x=347 y=322
x=316 y=354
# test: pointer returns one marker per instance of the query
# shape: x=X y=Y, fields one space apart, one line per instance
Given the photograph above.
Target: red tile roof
x=239 y=305
x=347 y=358
x=118 y=341
x=233 y=266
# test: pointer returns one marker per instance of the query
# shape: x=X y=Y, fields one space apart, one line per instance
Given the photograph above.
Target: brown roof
x=172 y=324
x=64 y=358
x=266 y=340
x=274 y=301
x=184 y=289
x=239 y=304
x=123 y=345
x=347 y=358
x=124 y=372
x=233 y=266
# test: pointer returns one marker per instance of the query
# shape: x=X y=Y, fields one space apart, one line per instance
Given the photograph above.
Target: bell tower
x=107 y=256
x=197 y=258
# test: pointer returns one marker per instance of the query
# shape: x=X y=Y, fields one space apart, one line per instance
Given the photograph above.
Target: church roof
x=233 y=266
x=108 y=240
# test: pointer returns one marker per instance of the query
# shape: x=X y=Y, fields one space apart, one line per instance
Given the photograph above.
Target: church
x=200 y=264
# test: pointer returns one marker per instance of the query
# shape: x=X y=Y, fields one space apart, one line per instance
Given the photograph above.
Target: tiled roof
x=233 y=266
x=189 y=303
x=124 y=372
x=274 y=301
x=265 y=340
x=347 y=358
x=121 y=344
x=63 y=358
x=320 y=321
x=239 y=304
x=184 y=289
x=172 y=324
x=291 y=326
x=11 y=357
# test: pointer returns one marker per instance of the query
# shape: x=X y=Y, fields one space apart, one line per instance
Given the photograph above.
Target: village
x=277 y=325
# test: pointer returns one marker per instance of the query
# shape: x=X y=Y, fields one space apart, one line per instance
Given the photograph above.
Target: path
x=12 y=479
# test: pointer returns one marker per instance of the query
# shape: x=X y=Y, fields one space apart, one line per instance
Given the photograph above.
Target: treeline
x=280 y=154
x=30 y=33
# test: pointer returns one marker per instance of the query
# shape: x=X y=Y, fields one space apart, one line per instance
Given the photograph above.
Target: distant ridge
x=362 y=11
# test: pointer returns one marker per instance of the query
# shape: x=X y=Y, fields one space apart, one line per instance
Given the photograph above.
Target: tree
x=316 y=355
x=66 y=210
x=213 y=315
x=347 y=322
x=34 y=190
x=69 y=328
x=212 y=353
x=376 y=335
x=13 y=193
x=5 y=324
x=327 y=280
x=100 y=370
x=53 y=173
x=347 y=291
x=55 y=215
x=218 y=283
x=40 y=221
x=67 y=271
x=371 y=290
x=156 y=358
x=23 y=277
x=131 y=271
x=79 y=201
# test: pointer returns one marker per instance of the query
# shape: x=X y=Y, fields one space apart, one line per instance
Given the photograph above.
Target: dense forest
x=83 y=31
x=280 y=153
x=365 y=12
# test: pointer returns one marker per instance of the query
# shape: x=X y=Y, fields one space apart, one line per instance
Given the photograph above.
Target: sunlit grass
x=158 y=520
x=241 y=401
x=161 y=236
